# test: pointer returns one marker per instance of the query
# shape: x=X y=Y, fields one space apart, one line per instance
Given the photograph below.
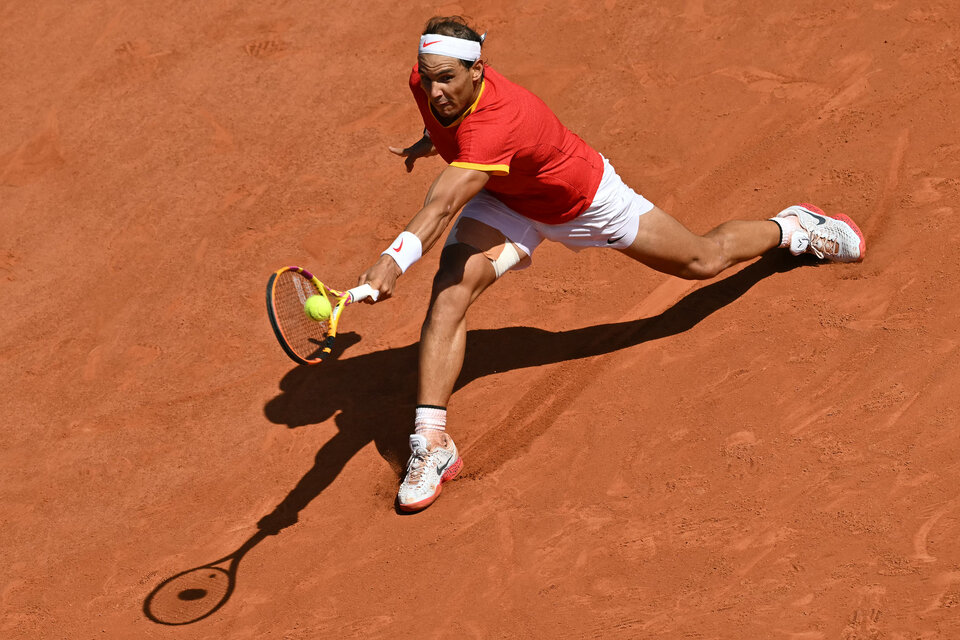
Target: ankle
x=431 y=422
x=788 y=226
x=435 y=438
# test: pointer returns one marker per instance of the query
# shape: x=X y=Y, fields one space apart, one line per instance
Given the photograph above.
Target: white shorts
x=610 y=221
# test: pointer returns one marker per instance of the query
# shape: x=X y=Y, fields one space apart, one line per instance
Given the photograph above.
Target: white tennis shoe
x=835 y=238
x=427 y=470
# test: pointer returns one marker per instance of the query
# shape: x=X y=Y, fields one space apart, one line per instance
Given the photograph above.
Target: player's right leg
x=476 y=254
x=463 y=275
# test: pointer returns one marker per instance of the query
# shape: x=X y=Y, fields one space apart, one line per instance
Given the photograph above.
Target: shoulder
x=495 y=76
x=512 y=102
x=504 y=105
x=502 y=87
x=498 y=102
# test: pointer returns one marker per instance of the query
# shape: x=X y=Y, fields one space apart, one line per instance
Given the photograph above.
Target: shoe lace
x=825 y=241
x=419 y=461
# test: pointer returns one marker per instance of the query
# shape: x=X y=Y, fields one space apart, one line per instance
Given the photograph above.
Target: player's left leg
x=621 y=219
x=664 y=244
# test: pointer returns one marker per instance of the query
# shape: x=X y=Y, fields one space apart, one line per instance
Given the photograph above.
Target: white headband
x=458 y=48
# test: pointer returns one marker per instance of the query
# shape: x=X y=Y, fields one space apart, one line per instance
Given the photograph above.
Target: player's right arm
x=452 y=189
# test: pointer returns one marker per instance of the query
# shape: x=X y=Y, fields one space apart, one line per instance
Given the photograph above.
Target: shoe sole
x=447 y=476
x=847 y=221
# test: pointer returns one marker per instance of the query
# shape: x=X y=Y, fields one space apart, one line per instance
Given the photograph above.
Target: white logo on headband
x=458 y=48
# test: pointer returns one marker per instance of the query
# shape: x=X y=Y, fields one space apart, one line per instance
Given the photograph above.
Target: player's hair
x=455 y=27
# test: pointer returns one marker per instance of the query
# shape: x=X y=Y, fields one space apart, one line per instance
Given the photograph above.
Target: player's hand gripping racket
x=305 y=339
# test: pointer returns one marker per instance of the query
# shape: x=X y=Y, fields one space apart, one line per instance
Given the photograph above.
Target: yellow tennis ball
x=318 y=308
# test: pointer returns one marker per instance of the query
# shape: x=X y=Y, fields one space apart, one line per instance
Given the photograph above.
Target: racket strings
x=304 y=335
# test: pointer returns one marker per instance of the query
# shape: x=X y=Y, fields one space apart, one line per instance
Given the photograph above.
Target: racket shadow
x=195 y=594
x=372 y=395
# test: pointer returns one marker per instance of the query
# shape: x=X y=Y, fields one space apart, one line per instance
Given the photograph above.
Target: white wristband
x=405 y=250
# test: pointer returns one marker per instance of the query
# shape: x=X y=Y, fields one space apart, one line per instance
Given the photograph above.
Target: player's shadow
x=371 y=396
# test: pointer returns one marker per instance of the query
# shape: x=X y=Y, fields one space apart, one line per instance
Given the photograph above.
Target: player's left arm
x=422 y=148
x=452 y=189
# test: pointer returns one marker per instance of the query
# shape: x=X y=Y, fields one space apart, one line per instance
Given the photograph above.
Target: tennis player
x=520 y=177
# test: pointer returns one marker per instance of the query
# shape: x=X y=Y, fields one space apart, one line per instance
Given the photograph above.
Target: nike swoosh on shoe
x=443 y=467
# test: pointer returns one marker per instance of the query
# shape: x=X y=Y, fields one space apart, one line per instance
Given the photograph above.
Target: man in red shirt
x=519 y=177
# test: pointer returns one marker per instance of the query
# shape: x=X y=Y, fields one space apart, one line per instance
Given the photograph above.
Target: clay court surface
x=771 y=454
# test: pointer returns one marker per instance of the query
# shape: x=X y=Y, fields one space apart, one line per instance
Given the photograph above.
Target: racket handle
x=362 y=292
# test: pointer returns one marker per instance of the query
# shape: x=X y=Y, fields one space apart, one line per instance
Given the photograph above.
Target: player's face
x=450 y=86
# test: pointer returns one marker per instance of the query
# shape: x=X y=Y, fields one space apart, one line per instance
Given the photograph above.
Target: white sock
x=430 y=418
x=788 y=226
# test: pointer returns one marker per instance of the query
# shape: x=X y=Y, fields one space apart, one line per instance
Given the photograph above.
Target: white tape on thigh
x=502 y=253
x=508 y=259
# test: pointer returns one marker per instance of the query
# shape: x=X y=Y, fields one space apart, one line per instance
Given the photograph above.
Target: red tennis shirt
x=537 y=166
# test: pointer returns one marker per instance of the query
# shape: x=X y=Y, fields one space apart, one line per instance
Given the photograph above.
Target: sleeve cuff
x=496 y=169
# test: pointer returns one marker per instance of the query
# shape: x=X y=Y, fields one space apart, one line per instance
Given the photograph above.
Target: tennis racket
x=305 y=340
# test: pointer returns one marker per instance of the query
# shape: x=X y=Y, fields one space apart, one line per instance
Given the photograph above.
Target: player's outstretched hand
x=382 y=276
x=419 y=149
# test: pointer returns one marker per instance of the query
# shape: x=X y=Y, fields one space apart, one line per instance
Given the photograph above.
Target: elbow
x=445 y=210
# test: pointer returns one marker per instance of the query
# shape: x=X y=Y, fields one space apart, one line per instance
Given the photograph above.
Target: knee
x=702 y=268
x=449 y=289
x=708 y=261
x=448 y=307
x=445 y=279
x=451 y=295
x=463 y=275
x=450 y=282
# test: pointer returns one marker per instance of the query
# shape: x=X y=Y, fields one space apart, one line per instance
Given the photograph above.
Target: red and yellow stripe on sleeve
x=496 y=169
